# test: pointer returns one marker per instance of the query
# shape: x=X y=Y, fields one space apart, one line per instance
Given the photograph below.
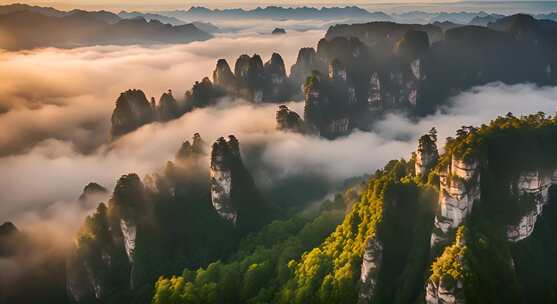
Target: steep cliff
x=306 y=62
x=382 y=67
x=501 y=211
x=223 y=155
x=233 y=192
x=534 y=184
x=149 y=227
x=223 y=76
x=131 y=112
x=426 y=154
x=459 y=187
x=188 y=150
x=167 y=108
x=278 y=87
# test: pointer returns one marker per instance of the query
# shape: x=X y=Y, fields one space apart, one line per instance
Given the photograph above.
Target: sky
x=214 y=4
x=387 y=6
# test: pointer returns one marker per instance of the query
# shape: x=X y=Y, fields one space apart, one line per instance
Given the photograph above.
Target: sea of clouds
x=55 y=108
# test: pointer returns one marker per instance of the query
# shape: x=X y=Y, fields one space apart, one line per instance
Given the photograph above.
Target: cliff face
x=376 y=67
x=369 y=272
x=507 y=213
x=250 y=77
x=459 y=187
x=254 y=81
x=427 y=154
x=223 y=76
x=223 y=155
x=234 y=195
x=149 y=226
x=330 y=102
x=536 y=184
x=107 y=243
x=306 y=63
x=277 y=85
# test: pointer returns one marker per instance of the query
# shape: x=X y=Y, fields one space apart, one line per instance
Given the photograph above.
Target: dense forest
x=391 y=216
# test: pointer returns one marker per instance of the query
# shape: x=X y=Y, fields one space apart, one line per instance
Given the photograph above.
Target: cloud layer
x=69 y=94
x=55 y=171
x=56 y=104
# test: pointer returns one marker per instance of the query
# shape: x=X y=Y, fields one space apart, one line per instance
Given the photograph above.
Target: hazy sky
x=388 y=6
x=166 y=4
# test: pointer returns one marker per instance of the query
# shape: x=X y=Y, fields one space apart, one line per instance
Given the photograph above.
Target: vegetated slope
x=444 y=236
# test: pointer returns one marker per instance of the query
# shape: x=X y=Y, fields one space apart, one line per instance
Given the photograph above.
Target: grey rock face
x=371 y=264
x=276 y=79
x=536 y=183
x=223 y=156
x=427 y=154
x=459 y=188
x=306 y=63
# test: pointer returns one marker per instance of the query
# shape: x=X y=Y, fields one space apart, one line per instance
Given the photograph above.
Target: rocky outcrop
x=535 y=183
x=223 y=156
x=254 y=81
x=223 y=76
x=306 y=63
x=277 y=84
x=410 y=50
x=81 y=281
x=329 y=103
x=459 y=188
x=108 y=234
x=168 y=107
x=188 y=150
x=439 y=293
x=372 y=259
x=203 y=94
x=93 y=193
x=8 y=238
x=279 y=31
x=90 y=260
x=250 y=75
x=427 y=154
x=129 y=206
x=131 y=112
x=234 y=195
x=289 y=120
x=129 y=234
x=375 y=100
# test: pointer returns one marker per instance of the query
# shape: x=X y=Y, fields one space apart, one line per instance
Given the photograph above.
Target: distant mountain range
x=277 y=13
x=27 y=27
x=332 y=13
x=24 y=26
